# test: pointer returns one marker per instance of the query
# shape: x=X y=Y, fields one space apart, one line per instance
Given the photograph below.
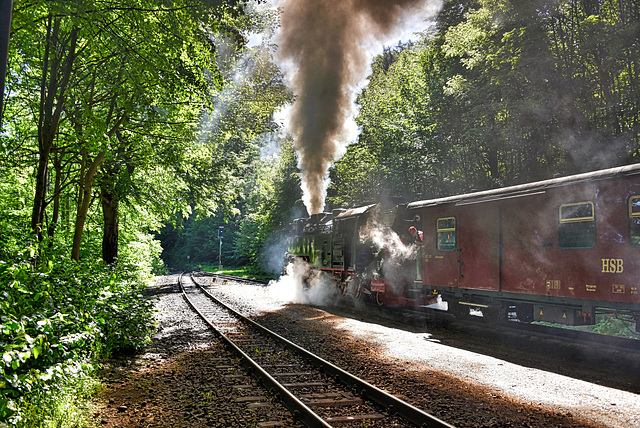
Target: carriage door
x=479 y=246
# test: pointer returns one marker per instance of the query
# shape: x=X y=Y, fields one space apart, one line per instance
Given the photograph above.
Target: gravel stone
x=176 y=381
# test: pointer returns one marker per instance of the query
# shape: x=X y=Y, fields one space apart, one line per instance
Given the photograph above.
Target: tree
x=57 y=67
x=231 y=139
x=120 y=83
x=396 y=154
x=595 y=45
x=504 y=92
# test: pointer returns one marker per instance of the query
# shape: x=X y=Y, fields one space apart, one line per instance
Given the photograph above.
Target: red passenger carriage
x=558 y=250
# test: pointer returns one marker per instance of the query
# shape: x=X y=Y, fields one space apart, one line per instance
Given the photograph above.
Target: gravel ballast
x=174 y=382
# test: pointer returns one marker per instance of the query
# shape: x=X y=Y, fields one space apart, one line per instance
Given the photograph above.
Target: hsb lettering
x=612 y=265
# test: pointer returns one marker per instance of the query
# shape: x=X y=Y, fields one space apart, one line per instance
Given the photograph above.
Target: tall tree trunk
x=52 y=96
x=39 y=198
x=110 y=198
x=6 y=7
x=57 y=165
x=110 y=228
x=492 y=163
x=83 y=208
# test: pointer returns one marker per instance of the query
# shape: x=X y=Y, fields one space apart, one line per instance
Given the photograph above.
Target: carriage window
x=577 y=227
x=446 y=234
x=634 y=221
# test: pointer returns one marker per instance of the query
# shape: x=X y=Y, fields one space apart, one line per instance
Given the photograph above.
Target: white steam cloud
x=399 y=258
x=319 y=290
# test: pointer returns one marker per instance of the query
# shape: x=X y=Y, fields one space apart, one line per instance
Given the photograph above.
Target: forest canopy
x=500 y=93
x=101 y=127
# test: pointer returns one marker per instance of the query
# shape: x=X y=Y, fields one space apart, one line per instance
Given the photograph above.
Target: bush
x=612 y=325
x=143 y=252
x=67 y=406
x=57 y=317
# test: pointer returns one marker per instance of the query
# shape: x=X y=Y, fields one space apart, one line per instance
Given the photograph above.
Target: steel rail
x=373 y=393
x=240 y=278
x=297 y=407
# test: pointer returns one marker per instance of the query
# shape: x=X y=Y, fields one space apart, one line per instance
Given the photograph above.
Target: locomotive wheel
x=306 y=278
x=343 y=286
x=357 y=292
x=306 y=282
x=379 y=298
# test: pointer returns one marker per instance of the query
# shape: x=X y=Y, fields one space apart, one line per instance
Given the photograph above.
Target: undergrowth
x=606 y=324
x=58 y=320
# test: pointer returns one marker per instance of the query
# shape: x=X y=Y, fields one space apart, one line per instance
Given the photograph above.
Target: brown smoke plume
x=325 y=41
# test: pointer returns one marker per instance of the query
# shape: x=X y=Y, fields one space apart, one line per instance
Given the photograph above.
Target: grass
x=245 y=272
x=68 y=407
x=611 y=325
x=607 y=324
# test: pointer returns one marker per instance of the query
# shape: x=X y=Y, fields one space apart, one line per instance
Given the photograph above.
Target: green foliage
x=108 y=97
x=68 y=407
x=612 y=325
x=275 y=201
x=502 y=92
x=100 y=119
x=395 y=152
x=59 y=316
x=246 y=197
x=254 y=236
x=194 y=241
x=607 y=324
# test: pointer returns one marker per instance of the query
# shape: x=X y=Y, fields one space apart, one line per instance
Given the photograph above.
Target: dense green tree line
x=98 y=146
x=501 y=92
x=95 y=103
x=497 y=92
x=259 y=187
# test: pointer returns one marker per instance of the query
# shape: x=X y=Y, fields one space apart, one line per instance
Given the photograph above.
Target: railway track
x=417 y=316
x=225 y=278
x=318 y=393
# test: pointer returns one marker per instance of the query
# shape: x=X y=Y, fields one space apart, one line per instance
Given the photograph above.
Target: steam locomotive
x=561 y=250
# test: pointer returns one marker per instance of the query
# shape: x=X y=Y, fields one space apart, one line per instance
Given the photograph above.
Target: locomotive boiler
x=562 y=250
x=364 y=251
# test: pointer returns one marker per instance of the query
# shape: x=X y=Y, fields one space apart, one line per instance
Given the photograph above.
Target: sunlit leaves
x=140 y=76
x=56 y=321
